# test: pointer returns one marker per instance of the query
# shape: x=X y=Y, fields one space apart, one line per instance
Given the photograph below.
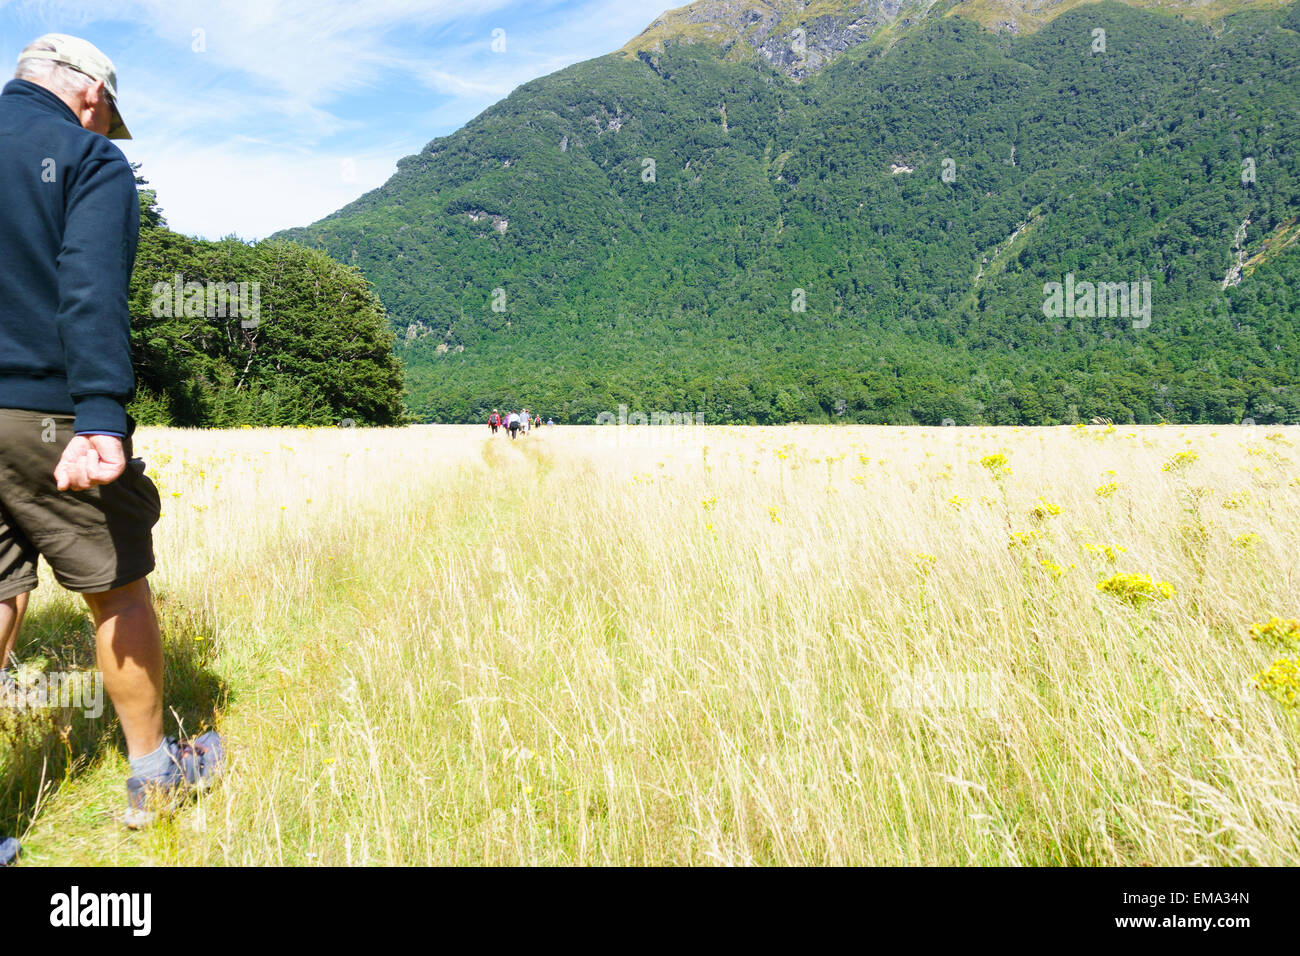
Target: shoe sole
x=143 y=819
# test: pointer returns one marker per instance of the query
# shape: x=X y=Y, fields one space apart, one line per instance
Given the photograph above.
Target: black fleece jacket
x=69 y=223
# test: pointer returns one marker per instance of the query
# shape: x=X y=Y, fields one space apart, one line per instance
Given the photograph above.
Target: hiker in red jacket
x=494 y=421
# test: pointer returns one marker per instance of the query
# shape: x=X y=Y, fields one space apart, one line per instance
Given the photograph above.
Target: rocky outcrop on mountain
x=799 y=38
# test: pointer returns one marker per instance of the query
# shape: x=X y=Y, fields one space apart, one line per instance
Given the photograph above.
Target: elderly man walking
x=70 y=490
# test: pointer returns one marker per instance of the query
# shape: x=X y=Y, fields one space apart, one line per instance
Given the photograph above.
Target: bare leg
x=129 y=647
x=11 y=620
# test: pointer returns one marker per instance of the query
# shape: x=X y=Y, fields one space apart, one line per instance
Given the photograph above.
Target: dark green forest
x=317 y=349
x=532 y=258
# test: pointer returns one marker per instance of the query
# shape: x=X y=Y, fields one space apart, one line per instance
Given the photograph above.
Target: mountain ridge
x=800 y=37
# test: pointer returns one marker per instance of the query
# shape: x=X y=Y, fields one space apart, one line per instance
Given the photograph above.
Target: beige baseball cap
x=84 y=57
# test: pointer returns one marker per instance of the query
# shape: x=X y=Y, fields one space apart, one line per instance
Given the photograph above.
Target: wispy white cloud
x=246 y=111
x=270 y=188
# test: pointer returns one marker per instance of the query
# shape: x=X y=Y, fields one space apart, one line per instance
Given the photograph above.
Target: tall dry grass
x=707 y=645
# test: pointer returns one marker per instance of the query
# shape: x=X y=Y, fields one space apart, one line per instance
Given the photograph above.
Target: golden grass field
x=690 y=645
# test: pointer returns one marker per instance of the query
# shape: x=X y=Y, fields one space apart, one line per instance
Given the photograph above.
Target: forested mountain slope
x=676 y=226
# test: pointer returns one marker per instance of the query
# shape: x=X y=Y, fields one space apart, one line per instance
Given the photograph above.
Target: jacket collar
x=39 y=97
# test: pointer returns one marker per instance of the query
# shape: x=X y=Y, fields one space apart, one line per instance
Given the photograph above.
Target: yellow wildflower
x=1179 y=461
x=1044 y=509
x=1281 y=681
x=1135 y=588
x=1276 y=632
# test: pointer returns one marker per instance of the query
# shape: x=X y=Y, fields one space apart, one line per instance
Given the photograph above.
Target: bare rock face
x=798 y=37
x=807 y=47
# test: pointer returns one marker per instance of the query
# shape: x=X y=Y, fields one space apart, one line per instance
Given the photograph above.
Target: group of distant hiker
x=515 y=422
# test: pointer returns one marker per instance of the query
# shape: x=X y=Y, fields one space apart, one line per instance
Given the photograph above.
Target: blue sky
x=254 y=115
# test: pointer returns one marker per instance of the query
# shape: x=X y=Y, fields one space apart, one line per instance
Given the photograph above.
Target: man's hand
x=90 y=460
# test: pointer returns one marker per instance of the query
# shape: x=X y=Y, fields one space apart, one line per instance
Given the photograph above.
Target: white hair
x=53 y=76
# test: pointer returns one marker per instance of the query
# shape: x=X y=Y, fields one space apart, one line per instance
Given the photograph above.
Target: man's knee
x=121 y=600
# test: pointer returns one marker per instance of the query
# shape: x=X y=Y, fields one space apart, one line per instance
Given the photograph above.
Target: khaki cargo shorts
x=94 y=540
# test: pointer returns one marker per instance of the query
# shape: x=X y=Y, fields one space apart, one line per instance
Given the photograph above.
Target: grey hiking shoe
x=196 y=766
